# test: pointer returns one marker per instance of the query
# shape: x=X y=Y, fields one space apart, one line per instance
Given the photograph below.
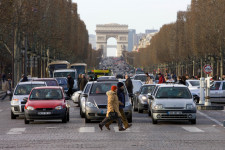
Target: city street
x=207 y=134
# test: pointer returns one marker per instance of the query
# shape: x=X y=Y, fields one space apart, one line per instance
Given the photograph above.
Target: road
x=207 y=134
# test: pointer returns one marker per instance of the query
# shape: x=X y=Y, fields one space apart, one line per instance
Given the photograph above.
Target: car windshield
x=195 y=83
x=64 y=74
x=173 y=92
x=215 y=86
x=102 y=88
x=136 y=85
x=147 y=89
x=62 y=81
x=46 y=94
x=49 y=82
x=24 y=89
x=142 y=78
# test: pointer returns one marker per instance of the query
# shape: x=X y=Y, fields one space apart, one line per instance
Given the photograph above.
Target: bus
x=56 y=65
x=80 y=67
x=99 y=73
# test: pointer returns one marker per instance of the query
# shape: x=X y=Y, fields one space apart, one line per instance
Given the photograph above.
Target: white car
x=217 y=92
x=76 y=97
x=194 y=87
x=172 y=102
x=21 y=91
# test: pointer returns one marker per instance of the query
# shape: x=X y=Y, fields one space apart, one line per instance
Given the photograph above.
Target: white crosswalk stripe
x=16 y=131
x=192 y=129
x=86 y=129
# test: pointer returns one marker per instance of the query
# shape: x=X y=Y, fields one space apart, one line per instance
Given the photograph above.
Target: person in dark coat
x=129 y=84
x=161 y=78
x=183 y=80
x=83 y=82
x=70 y=83
x=24 y=78
x=79 y=80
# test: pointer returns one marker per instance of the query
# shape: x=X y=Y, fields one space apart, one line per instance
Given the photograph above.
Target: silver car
x=21 y=91
x=172 y=102
x=96 y=101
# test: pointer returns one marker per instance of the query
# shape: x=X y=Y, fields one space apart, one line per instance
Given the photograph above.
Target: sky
x=137 y=14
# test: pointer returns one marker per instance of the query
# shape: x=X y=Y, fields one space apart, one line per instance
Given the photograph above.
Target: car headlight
x=158 y=106
x=189 y=106
x=127 y=104
x=30 y=108
x=58 y=107
x=89 y=104
x=143 y=98
x=15 y=102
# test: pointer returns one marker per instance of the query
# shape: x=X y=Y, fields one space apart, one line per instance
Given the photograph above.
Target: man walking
x=83 y=82
x=129 y=84
x=70 y=83
x=113 y=112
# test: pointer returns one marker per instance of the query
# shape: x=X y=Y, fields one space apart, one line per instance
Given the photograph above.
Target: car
x=172 y=102
x=94 y=100
x=49 y=81
x=76 y=97
x=107 y=78
x=143 y=77
x=62 y=81
x=46 y=103
x=140 y=97
x=217 y=92
x=21 y=91
x=83 y=98
x=194 y=87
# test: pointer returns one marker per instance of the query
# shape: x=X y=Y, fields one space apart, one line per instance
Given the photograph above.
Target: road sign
x=207 y=69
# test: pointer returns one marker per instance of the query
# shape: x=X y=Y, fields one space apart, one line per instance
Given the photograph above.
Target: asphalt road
x=207 y=134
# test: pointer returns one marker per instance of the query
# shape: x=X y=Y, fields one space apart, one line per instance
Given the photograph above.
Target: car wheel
x=26 y=121
x=129 y=120
x=134 y=108
x=13 y=116
x=68 y=117
x=64 y=120
x=87 y=120
x=154 y=121
x=139 y=110
x=193 y=121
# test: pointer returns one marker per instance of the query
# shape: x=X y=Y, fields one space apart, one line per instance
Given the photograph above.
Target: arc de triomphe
x=117 y=31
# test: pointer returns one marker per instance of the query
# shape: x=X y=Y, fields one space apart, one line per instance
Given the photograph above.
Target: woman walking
x=113 y=112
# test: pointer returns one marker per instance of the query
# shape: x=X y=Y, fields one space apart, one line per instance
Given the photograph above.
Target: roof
x=48 y=87
x=76 y=64
x=43 y=79
x=171 y=85
x=59 y=62
x=31 y=82
x=65 y=70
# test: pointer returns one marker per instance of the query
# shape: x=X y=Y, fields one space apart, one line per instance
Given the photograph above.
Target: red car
x=46 y=103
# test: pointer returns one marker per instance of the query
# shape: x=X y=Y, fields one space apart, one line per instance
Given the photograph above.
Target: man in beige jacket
x=112 y=108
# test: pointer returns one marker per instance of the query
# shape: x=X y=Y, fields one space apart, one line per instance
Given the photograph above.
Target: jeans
x=107 y=120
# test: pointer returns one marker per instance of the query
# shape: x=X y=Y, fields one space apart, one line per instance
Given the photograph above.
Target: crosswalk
x=190 y=129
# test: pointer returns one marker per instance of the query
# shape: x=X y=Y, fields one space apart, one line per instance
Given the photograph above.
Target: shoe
x=100 y=126
x=122 y=129
x=129 y=125
x=107 y=127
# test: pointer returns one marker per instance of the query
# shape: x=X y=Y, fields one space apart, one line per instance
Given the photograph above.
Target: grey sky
x=137 y=14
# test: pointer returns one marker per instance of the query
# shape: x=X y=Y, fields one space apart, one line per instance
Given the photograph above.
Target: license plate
x=44 y=113
x=174 y=112
x=103 y=111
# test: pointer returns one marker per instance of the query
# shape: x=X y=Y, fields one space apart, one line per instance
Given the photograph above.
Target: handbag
x=113 y=115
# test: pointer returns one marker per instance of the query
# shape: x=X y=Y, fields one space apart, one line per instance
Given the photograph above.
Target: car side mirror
x=25 y=99
x=137 y=93
x=150 y=97
x=84 y=95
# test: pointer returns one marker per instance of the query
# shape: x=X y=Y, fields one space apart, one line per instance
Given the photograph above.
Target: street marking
x=87 y=129
x=210 y=118
x=116 y=129
x=16 y=131
x=192 y=129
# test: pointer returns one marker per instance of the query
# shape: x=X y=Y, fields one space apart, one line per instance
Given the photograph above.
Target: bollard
x=202 y=92
x=207 y=92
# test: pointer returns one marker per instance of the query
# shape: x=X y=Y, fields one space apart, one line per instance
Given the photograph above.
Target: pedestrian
x=90 y=78
x=161 y=78
x=10 y=87
x=83 y=82
x=149 y=80
x=5 y=86
x=70 y=83
x=79 y=80
x=129 y=84
x=24 y=78
x=183 y=80
x=113 y=112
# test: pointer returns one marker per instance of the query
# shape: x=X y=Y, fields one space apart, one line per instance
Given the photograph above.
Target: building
x=148 y=31
x=131 y=39
x=92 y=40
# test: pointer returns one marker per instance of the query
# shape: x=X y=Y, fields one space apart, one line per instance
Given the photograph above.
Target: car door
x=83 y=99
x=215 y=91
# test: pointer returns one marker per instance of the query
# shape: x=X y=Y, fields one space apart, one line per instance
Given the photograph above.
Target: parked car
x=95 y=98
x=143 y=77
x=194 y=87
x=217 y=92
x=22 y=90
x=49 y=81
x=46 y=103
x=140 y=97
x=83 y=98
x=172 y=102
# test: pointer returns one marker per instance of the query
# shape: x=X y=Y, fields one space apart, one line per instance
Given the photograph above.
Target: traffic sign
x=207 y=69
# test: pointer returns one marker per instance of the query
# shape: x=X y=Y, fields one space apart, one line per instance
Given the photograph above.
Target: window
x=147 y=89
x=223 y=88
x=215 y=86
x=87 y=88
x=173 y=92
x=46 y=94
x=25 y=89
